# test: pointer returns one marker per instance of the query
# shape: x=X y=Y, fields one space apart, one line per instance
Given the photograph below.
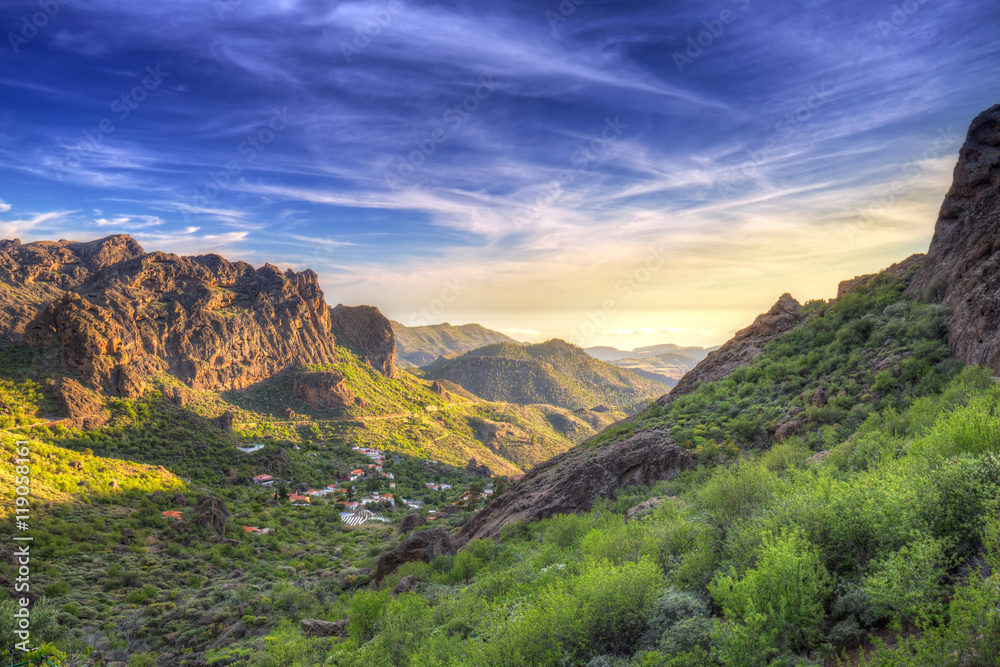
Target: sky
x=611 y=173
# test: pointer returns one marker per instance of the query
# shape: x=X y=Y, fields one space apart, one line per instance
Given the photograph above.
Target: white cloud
x=4 y=206
x=130 y=222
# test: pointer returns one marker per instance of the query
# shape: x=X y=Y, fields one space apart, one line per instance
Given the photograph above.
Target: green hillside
x=419 y=346
x=874 y=525
x=554 y=373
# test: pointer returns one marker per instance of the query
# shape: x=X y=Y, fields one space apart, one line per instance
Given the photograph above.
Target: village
x=356 y=508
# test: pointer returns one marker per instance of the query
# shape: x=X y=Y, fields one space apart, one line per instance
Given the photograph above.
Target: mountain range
x=419 y=346
x=555 y=373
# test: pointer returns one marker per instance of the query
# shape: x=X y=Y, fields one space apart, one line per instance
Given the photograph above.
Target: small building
x=263 y=480
x=296 y=499
x=172 y=514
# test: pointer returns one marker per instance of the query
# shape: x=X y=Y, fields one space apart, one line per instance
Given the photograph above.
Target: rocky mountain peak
x=743 y=348
x=371 y=332
x=962 y=267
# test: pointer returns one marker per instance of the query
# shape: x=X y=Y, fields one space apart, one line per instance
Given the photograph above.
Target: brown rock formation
x=411 y=521
x=325 y=390
x=40 y=272
x=225 y=421
x=642 y=509
x=574 y=480
x=421 y=546
x=438 y=388
x=82 y=406
x=370 y=332
x=478 y=471
x=963 y=264
x=742 y=349
x=209 y=322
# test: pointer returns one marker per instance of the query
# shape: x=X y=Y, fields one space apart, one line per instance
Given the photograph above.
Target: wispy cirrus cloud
x=717 y=163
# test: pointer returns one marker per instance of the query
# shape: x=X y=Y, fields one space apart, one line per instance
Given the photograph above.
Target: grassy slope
x=895 y=529
x=554 y=373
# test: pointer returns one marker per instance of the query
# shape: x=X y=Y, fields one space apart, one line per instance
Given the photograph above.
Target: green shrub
x=789 y=586
x=907 y=585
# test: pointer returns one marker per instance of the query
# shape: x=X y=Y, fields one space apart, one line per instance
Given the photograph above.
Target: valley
x=205 y=463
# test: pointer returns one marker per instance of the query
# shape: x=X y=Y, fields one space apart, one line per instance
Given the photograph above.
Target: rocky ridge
x=962 y=267
x=119 y=314
x=573 y=481
x=742 y=348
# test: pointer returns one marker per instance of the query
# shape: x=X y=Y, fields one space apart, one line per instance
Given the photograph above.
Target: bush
x=788 y=586
x=907 y=585
x=366 y=613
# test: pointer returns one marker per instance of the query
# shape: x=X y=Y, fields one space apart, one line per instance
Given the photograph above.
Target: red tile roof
x=172 y=514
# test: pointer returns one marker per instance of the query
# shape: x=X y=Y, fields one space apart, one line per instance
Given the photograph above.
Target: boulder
x=411 y=521
x=787 y=430
x=79 y=404
x=642 y=509
x=323 y=390
x=211 y=513
x=423 y=546
x=312 y=627
x=819 y=398
x=225 y=421
x=478 y=471
x=406 y=585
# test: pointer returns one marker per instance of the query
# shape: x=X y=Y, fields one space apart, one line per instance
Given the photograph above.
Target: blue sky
x=617 y=173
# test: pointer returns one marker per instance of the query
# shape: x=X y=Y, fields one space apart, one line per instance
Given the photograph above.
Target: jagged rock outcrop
x=424 y=546
x=479 y=471
x=324 y=390
x=225 y=421
x=83 y=407
x=962 y=267
x=209 y=322
x=574 y=480
x=37 y=273
x=371 y=332
x=742 y=348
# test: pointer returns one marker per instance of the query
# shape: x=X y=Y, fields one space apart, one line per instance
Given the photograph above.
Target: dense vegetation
x=775 y=559
x=555 y=373
x=868 y=532
x=870 y=350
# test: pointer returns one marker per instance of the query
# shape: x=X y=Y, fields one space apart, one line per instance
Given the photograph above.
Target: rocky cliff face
x=123 y=314
x=743 y=348
x=34 y=274
x=963 y=264
x=371 y=332
x=574 y=480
